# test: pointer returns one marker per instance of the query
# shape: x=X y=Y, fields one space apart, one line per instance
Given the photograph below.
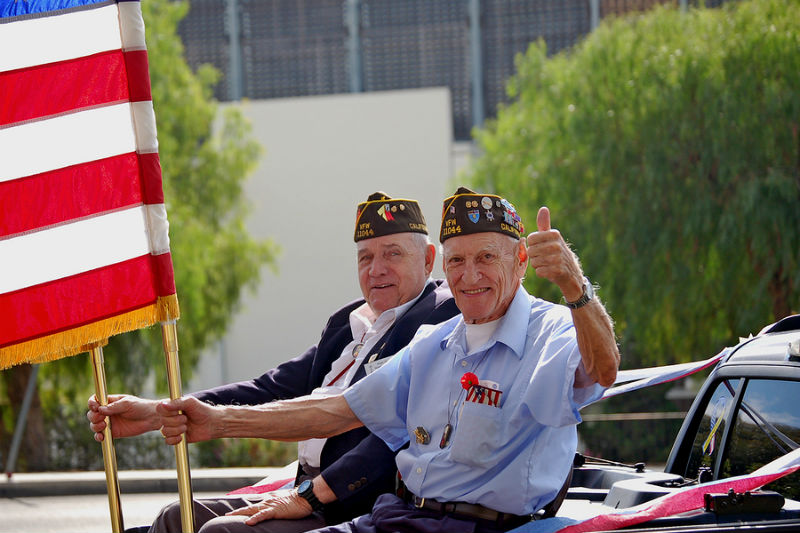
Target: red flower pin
x=469 y=380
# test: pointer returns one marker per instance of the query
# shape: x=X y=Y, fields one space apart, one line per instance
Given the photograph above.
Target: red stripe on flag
x=165 y=277
x=69 y=193
x=81 y=299
x=138 y=75
x=63 y=86
x=261 y=489
x=150 y=166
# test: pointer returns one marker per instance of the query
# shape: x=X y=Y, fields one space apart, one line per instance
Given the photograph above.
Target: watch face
x=304 y=486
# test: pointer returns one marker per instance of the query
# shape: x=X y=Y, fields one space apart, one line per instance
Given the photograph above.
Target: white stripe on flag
x=69 y=249
x=159 y=228
x=131 y=25
x=144 y=121
x=647 y=377
x=64 y=140
x=623 y=376
x=30 y=42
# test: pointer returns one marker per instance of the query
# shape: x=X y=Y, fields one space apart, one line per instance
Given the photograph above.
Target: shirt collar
x=361 y=317
x=512 y=331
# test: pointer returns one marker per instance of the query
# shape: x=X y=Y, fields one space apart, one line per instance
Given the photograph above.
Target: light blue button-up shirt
x=513 y=457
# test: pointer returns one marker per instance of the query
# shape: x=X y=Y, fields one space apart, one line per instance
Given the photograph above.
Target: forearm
x=286 y=420
x=596 y=342
x=323 y=491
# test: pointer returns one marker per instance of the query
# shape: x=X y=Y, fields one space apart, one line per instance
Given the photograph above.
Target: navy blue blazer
x=357 y=465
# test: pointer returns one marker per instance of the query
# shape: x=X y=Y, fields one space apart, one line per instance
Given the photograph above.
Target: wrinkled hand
x=552 y=259
x=186 y=415
x=279 y=504
x=129 y=416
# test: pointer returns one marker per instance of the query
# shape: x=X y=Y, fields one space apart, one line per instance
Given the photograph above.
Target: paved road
x=87 y=513
x=76 y=502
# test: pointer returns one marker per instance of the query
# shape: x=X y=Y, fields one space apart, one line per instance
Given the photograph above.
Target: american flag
x=84 y=245
x=679 y=501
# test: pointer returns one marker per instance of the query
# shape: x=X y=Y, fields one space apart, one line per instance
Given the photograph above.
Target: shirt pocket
x=478 y=436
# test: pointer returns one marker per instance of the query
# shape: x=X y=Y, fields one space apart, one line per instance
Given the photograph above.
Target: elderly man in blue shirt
x=394 y=261
x=488 y=402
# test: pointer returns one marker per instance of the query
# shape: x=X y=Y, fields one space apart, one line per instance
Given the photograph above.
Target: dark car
x=746 y=415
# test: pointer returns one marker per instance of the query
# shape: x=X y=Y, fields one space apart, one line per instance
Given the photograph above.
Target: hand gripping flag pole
x=82 y=210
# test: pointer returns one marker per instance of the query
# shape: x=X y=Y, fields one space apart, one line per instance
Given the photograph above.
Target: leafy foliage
x=244 y=452
x=644 y=439
x=666 y=145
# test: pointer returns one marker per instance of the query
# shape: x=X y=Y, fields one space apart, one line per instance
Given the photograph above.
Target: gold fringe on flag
x=75 y=340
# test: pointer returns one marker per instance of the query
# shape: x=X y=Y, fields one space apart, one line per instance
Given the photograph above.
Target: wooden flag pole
x=169 y=335
x=109 y=456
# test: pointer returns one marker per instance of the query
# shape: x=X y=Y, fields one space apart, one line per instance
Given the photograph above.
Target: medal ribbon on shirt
x=478 y=393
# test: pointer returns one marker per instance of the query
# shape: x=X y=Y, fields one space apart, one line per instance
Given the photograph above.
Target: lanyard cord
x=448 y=428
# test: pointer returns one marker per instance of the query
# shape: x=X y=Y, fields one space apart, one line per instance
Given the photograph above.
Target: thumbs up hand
x=543 y=219
x=552 y=259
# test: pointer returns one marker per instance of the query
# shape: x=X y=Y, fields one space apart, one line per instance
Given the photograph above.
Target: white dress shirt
x=367 y=331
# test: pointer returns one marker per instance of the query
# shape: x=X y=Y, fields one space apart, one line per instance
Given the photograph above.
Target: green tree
x=667 y=147
x=205 y=160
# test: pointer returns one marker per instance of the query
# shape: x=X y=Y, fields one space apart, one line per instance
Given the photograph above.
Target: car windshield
x=767 y=425
x=707 y=441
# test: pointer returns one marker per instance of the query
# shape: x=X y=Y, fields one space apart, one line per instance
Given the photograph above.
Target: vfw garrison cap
x=383 y=215
x=469 y=212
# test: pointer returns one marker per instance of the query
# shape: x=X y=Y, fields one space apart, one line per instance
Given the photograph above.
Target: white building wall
x=323 y=156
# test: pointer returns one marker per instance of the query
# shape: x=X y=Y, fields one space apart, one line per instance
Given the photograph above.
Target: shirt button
x=351 y=487
x=419 y=470
x=463 y=363
x=357 y=484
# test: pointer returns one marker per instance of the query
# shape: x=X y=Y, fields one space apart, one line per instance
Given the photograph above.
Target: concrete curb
x=221 y=480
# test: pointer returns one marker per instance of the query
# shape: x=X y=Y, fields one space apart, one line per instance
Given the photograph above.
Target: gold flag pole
x=169 y=335
x=109 y=456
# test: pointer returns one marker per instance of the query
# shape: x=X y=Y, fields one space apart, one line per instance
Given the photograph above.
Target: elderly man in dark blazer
x=395 y=259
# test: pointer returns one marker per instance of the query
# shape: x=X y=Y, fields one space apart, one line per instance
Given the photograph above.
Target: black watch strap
x=306 y=491
x=586 y=297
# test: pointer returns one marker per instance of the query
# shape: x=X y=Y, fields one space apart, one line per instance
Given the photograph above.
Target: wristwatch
x=586 y=297
x=306 y=491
